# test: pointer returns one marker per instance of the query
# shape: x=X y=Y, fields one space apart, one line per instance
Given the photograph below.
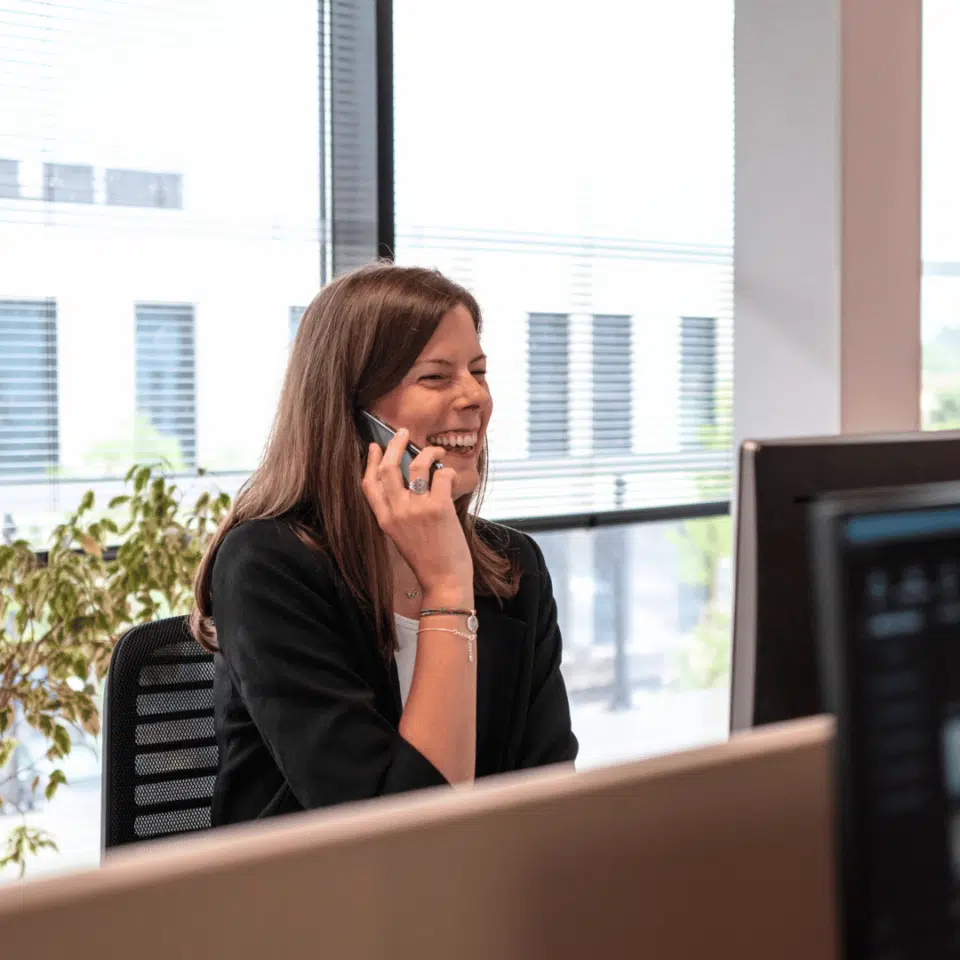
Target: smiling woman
x=444 y=400
x=375 y=636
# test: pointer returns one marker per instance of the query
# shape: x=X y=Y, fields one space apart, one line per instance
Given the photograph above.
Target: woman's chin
x=467 y=480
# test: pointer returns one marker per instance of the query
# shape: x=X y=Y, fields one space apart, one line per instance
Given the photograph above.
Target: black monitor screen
x=774 y=656
x=889 y=593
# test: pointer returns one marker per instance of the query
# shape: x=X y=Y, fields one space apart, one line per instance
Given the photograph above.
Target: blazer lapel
x=500 y=653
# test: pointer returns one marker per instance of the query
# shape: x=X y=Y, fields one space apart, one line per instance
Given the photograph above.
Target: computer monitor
x=774 y=660
x=719 y=852
x=888 y=589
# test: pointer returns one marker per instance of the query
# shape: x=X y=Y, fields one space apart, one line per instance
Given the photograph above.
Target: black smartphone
x=374 y=430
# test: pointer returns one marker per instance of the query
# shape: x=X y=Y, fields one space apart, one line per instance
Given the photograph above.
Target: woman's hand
x=440 y=715
x=424 y=527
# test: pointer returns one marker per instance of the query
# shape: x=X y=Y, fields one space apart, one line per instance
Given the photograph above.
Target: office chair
x=159 y=747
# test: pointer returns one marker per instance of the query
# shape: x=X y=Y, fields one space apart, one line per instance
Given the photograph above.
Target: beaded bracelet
x=469 y=637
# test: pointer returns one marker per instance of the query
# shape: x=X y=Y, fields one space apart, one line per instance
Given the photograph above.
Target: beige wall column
x=827 y=248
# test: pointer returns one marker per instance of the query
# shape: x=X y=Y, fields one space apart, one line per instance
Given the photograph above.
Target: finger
x=443 y=481
x=389 y=469
x=420 y=468
x=374 y=456
x=372 y=487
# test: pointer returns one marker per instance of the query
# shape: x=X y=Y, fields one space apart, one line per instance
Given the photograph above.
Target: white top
x=406 y=653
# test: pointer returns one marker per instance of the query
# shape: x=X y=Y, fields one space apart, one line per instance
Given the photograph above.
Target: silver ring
x=419 y=486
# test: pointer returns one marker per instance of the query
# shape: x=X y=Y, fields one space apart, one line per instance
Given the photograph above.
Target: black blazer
x=307 y=710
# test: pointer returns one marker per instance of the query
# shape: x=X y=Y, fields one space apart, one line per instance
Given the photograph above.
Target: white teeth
x=453 y=440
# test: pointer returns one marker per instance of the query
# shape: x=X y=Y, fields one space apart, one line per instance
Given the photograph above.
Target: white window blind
x=9 y=179
x=67 y=183
x=166 y=379
x=698 y=381
x=141 y=188
x=29 y=410
x=590 y=232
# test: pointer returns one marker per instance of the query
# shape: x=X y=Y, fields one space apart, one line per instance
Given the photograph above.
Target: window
x=172 y=326
x=9 y=179
x=560 y=210
x=698 y=379
x=940 y=302
x=296 y=314
x=609 y=561
x=139 y=188
x=67 y=183
x=612 y=384
x=29 y=423
x=586 y=240
x=557 y=206
x=166 y=380
x=109 y=157
x=641 y=680
x=548 y=384
x=555 y=547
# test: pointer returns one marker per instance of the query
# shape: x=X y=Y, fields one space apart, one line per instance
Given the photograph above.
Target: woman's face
x=443 y=400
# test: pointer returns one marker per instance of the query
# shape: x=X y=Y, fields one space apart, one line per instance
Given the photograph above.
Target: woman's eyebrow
x=450 y=363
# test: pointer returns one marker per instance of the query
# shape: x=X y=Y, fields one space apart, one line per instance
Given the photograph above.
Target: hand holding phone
x=423 y=523
x=374 y=430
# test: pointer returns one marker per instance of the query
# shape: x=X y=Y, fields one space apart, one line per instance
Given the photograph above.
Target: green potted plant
x=704 y=545
x=61 y=614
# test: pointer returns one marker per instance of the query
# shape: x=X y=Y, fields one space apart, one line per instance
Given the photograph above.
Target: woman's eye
x=432 y=376
x=479 y=373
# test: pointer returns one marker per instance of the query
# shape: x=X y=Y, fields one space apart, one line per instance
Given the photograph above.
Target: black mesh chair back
x=159 y=746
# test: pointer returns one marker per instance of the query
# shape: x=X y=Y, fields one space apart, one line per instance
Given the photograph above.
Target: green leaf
x=140 y=479
x=23 y=840
x=118 y=501
x=61 y=740
x=86 y=502
x=57 y=779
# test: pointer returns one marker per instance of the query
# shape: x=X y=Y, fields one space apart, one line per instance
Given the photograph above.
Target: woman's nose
x=471 y=392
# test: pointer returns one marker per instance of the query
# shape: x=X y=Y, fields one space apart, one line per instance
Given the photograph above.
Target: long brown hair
x=356 y=341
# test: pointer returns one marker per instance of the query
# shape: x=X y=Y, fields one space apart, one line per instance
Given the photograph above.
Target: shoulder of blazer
x=528 y=557
x=280 y=541
x=507 y=540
